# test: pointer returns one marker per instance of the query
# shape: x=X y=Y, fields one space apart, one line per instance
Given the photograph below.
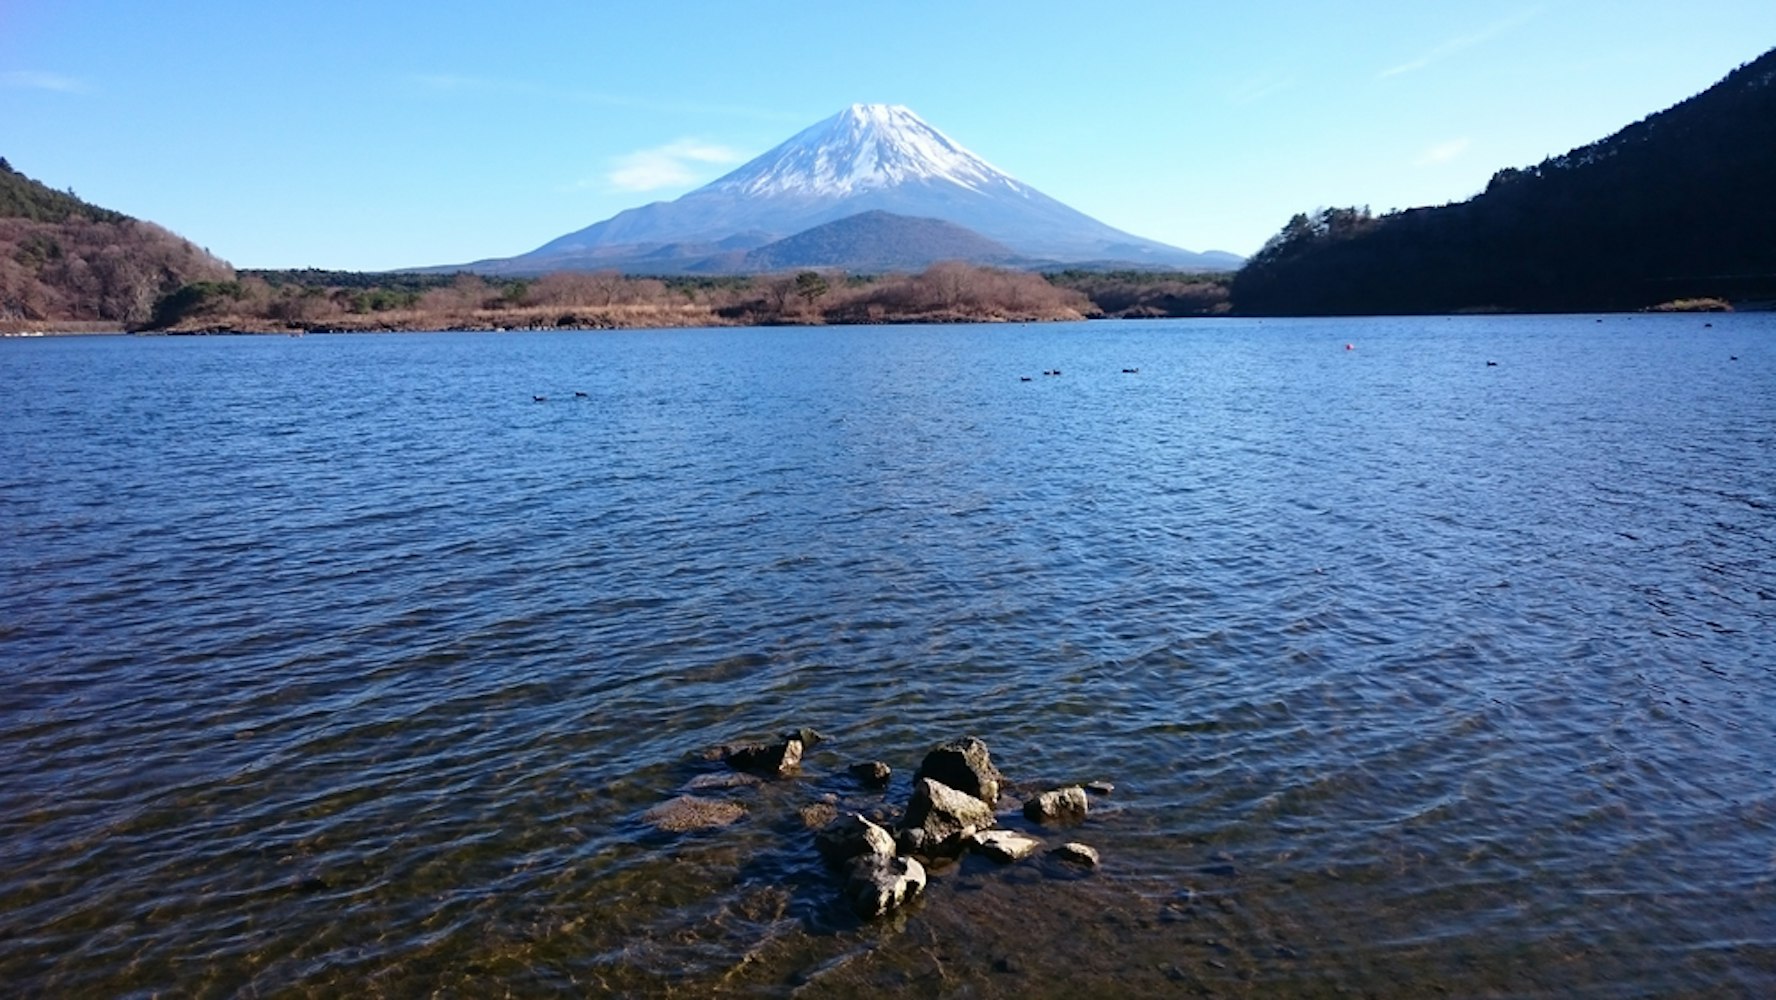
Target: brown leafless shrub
x=83 y=269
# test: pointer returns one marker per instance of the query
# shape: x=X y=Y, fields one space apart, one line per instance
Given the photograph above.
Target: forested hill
x=64 y=260
x=1679 y=205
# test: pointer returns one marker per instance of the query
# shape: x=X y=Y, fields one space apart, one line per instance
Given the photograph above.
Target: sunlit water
x=339 y=665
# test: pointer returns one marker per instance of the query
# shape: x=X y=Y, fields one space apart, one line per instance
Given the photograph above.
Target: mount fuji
x=879 y=159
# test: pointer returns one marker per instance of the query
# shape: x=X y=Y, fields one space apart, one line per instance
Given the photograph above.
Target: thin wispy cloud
x=1442 y=152
x=1254 y=89
x=673 y=165
x=1448 y=48
x=30 y=79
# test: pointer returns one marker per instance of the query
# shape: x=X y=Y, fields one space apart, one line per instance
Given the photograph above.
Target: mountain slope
x=62 y=259
x=866 y=158
x=1678 y=205
x=878 y=242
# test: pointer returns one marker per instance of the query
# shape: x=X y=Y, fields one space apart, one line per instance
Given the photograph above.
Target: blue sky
x=381 y=135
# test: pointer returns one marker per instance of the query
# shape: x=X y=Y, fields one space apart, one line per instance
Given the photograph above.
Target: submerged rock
x=851 y=836
x=1075 y=853
x=774 y=759
x=816 y=815
x=939 y=817
x=965 y=765
x=1005 y=845
x=728 y=779
x=1059 y=805
x=689 y=812
x=875 y=885
x=872 y=773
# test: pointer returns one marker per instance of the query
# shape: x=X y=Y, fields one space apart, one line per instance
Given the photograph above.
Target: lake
x=1425 y=655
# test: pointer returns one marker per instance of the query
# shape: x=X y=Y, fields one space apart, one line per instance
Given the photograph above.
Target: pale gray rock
x=942 y=816
x=1061 y=805
x=1005 y=845
x=851 y=836
x=1075 y=853
x=876 y=885
x=965 y=765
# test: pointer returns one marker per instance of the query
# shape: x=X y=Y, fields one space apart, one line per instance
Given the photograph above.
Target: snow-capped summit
x=863 y=146
x=867 y=158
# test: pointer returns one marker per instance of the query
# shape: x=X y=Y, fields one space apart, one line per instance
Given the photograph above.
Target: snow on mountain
x=864 y=146
x=867 y=158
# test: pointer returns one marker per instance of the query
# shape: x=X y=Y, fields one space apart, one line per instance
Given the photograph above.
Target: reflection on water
x=339 y=665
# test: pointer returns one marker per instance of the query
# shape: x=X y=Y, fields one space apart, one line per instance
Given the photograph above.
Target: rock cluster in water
x=953 y=810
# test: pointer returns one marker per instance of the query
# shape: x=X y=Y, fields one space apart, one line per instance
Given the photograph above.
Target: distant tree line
x=1150 y=294
x=259 y=300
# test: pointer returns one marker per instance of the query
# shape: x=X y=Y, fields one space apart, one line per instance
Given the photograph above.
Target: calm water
x=339 y=666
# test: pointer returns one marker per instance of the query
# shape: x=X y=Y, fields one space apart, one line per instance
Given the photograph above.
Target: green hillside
x=23 y=198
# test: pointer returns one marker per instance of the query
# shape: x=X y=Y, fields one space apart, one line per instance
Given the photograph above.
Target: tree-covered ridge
x=23 y=198
x=64 y=260
x=1678 y=205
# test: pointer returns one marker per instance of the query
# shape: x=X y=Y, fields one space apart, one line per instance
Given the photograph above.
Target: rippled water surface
x=341 y=666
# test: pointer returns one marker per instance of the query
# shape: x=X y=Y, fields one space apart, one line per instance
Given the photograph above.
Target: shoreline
x=59 y=328
x=500 y=321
